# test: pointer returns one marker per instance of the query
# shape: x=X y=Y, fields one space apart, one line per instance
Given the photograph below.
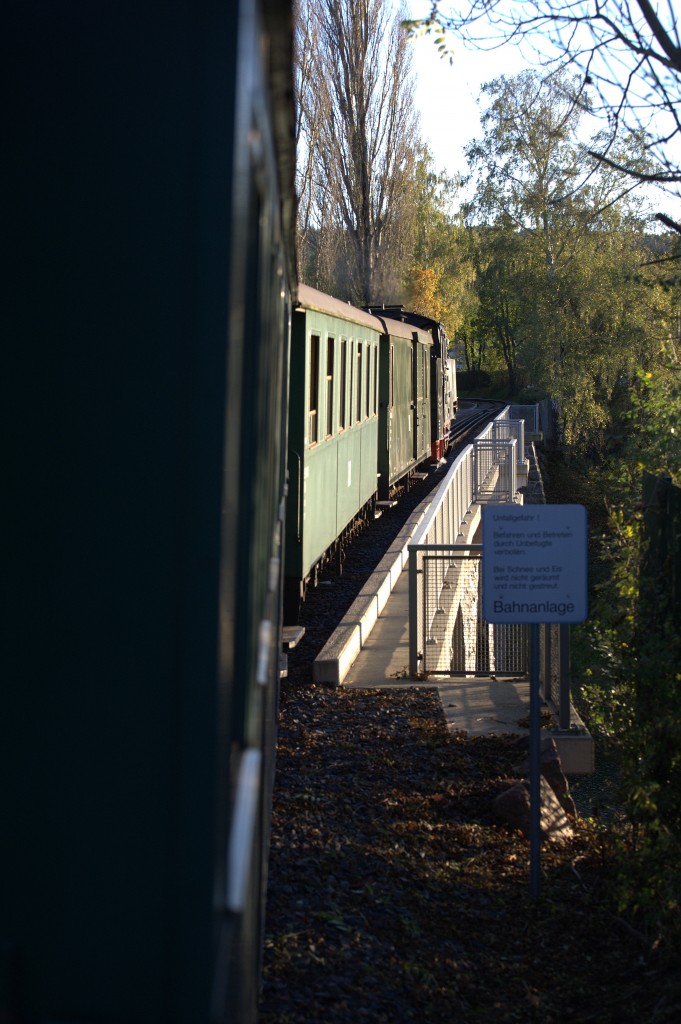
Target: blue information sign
x=534 y=563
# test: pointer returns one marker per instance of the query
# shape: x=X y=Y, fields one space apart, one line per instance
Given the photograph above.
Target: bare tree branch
x=628 y=53
x=673 y=225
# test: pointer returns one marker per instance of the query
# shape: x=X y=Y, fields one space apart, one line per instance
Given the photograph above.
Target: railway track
x=472 y=414
x=326 y=604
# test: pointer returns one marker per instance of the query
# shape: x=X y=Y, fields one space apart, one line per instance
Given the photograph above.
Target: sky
x=447 y=95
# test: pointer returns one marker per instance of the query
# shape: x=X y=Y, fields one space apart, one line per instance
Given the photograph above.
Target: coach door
x=420 y=399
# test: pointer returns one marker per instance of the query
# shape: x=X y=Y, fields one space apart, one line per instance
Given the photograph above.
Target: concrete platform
x=370 y=650
x=351 y=638
x=474 y=705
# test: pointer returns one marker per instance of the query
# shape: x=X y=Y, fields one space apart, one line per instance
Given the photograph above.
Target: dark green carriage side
x=404 y=407
x=442 y=386
x=333 y=430
x=146 y=365
x=443 y=392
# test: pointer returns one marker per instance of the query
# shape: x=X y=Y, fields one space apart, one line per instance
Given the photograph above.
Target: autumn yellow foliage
x=425 y=297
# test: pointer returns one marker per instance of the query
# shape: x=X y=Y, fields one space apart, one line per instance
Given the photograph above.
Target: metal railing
x=444 y=525
x=453 y=638
x=506 y=429
x=529 y=414
x=483 y=471
x=496 y=467
x=554 y=670
x=447 y=632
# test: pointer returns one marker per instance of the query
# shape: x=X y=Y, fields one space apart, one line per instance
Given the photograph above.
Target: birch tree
x=560 y=251
x=441 y=275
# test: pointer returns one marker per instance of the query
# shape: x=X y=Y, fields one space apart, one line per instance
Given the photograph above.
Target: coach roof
x=311 y=298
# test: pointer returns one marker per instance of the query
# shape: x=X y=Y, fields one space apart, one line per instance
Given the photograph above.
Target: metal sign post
x=534 y=570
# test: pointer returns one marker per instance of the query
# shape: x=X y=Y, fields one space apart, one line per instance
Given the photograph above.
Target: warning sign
x=534 y=563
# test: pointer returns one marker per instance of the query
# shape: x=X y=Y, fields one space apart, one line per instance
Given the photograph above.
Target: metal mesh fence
x=495 y=469
x=554 y=669
x=528 y=413
x=507 y=430
x=453 y=637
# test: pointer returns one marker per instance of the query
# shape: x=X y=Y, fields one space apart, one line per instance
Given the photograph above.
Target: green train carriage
x=359 y=423
x=147 y=310
x=442 y=386
x=404 y=403
x=333 y=433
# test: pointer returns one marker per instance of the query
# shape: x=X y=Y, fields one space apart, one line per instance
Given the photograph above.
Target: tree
x=630 y=650
x=357 y=143
x=627 y=52
x=440 y=276
x=558 y=249
x=309 y=118
x=498 y=321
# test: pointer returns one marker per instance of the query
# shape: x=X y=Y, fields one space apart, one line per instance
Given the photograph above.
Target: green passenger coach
x=359 y=422
x=404 y=403
x=333 y=432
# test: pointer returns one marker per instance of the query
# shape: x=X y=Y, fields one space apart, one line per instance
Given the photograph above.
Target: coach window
x=359 y=381
x=313 y=423
x=375 y=379
x=329 y=386
x=367 y=406
x=343 y=415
